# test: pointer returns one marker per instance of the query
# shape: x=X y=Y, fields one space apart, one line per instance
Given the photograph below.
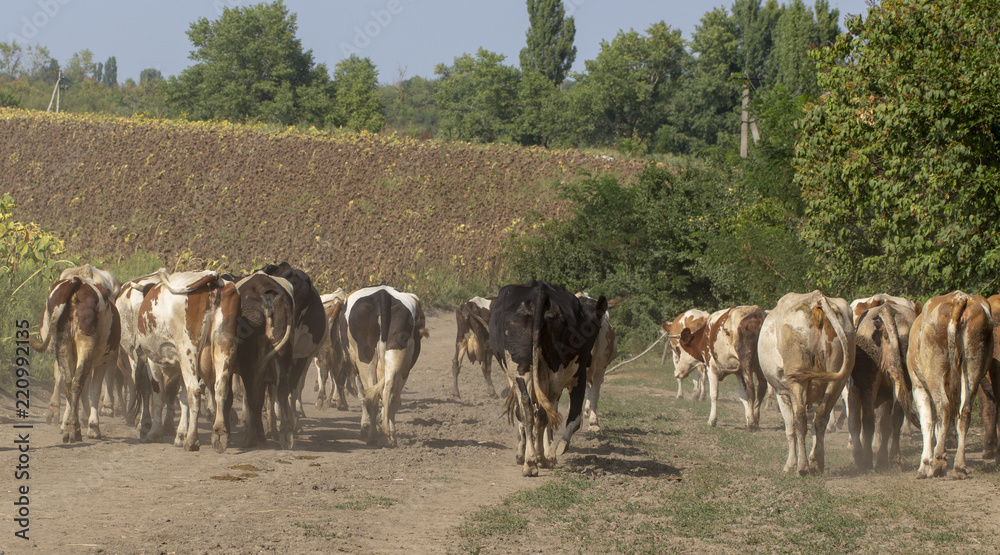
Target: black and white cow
x=264 y=352
x=310 y=329
x=473 y=340
x=380 y=330
x=542 y=336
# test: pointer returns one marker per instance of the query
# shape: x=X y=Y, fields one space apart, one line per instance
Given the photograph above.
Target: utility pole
x=748 y=124
x=55 y=93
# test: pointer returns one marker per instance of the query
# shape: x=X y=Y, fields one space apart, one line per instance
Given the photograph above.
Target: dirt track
x=330 y=493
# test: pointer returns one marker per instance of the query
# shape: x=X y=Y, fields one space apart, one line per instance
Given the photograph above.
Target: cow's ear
x=916 y=308
x=602 y=306
x=614 y=302
x=686 y=336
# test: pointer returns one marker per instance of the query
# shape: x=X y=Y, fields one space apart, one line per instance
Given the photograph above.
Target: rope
x=633 y=359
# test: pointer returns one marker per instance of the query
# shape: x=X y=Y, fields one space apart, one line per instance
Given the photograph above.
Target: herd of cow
x=190 y=334
x=922 y=363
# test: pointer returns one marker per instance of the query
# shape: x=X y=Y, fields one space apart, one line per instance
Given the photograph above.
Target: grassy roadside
x=663 y=481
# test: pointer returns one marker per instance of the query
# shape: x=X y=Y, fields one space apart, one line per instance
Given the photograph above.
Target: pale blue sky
x=414 y=35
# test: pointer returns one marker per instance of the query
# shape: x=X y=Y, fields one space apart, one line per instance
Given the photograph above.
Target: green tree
x=626 y=90
x=149 y=75
x=358 y=104
x=11 y=55
x=639 y=241
x=797 y=31
x=898 y=161
x=478 y=97
x=550 y=49
x=250 y=66
x=411 y=105
x=110 y=78
x=80 y=66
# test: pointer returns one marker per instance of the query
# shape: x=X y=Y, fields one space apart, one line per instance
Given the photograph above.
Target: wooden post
x=747 y=124
x=55 y=93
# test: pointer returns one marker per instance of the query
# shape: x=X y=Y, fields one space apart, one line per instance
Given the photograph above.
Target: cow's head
x=686 y=353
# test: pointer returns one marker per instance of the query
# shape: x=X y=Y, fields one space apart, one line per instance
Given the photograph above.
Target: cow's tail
x=384 y=311
x=268 y=303
x=746 y=347
x=51 y=317
x=540 y=379
x=955 y=349
x=893 y=364
x=823 y=311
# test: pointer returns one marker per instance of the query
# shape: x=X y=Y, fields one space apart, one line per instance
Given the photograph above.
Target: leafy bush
x=637 y=242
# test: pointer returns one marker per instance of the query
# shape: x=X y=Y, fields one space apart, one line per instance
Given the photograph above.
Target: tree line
x=649 y=91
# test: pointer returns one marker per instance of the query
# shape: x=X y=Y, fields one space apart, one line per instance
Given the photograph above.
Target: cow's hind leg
x=456 y=366
x=180 y=434
x=925 y=409
x=785 y=406
x=491 y=390
x=53 y=414
x=97 y=382
x=526 y=408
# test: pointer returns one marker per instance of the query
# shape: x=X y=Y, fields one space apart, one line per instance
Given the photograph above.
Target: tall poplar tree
x=550 y=49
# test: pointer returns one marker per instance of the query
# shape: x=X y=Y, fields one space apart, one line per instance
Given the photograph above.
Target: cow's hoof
x=179 y=440
x=712 y=422
x=107 y=411
x=49 y=418
x=519 y=459
x=320 y=403
x=342 y=406
x=94 y=433
x=561 y=447
x=76 y=437
x=594 y=428
x=220 y=442
x=193 y=446
x=66 y=438
x=802 y=472
x=960 y=473
x=530 y=470
x=287 y=441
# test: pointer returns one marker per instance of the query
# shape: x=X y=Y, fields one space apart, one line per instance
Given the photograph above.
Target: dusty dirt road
x=331 y=493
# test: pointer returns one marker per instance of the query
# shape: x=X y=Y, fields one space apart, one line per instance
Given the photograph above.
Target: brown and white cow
x=543 y=337
x=187 y=327
x=879 y=380
x=131 y=359
x=264 y=352
x=473 y=340
x=83 y=326
x=806 y=352
x=858 y=308
x=330 y=361
x=688 y=338
x=108 y=281
x=605 y=350
x=951 y=349
x=380 y=330
x=989 y=391
x=732 y=349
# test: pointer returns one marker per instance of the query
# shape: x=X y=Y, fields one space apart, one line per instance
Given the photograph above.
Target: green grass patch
x=365 y=501
x=667 y=482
